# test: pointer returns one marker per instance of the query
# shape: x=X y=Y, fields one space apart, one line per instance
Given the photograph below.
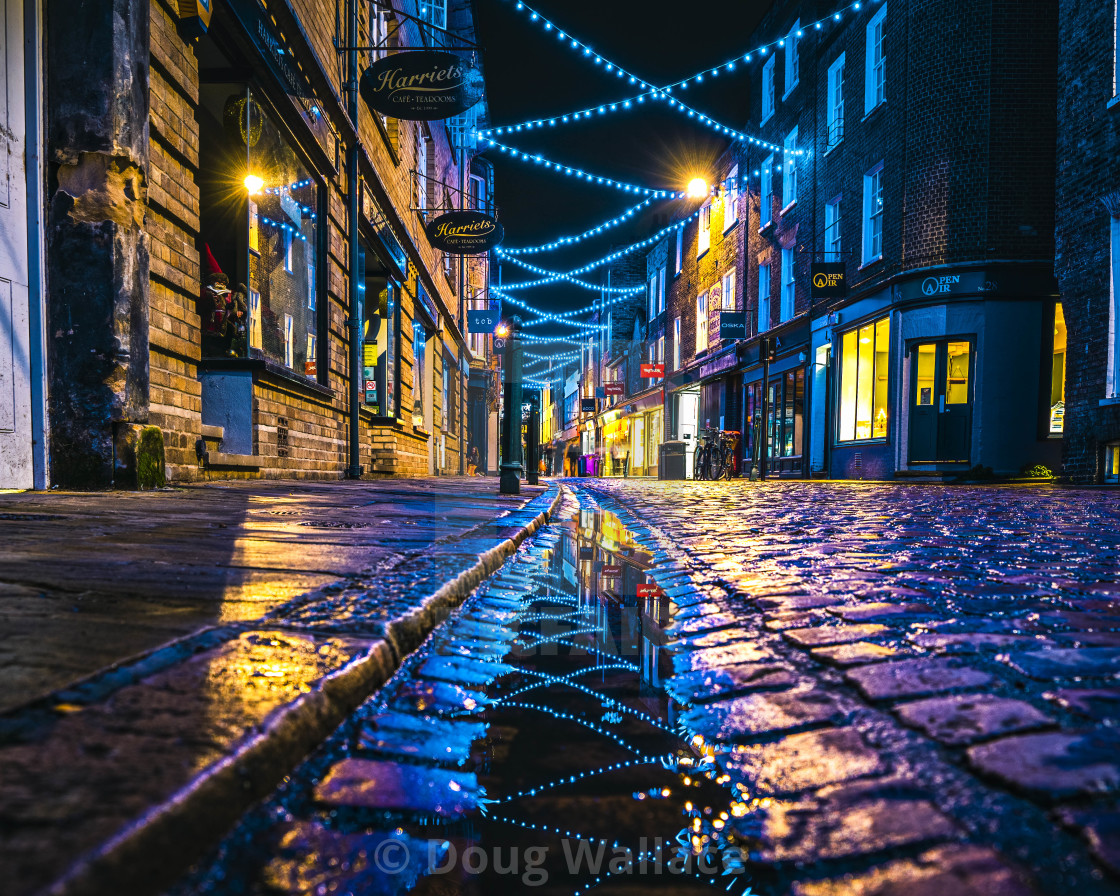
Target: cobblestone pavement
x=919 y=682
x=788 y=688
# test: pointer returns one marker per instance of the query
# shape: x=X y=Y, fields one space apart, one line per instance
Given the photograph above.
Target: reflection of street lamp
x=698 y=188
x=253 y=184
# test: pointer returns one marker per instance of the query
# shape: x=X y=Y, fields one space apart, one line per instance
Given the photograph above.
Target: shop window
x=259 y=207
x=864 y=370
x=380 y=298
x=419 y=366
x=1112 y=463
x=1058 y=372
x=446 y=395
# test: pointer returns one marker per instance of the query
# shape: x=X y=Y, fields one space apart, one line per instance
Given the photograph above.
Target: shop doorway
x=688 y=409
x=941 y=401
x=16 y=440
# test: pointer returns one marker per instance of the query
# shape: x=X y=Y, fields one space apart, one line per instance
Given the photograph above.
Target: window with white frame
x=1112 y=382
x=875 y=62
x=434 y=11
x=792 y=64
x=832 y=229
x=701 y=322
x=678 y=252
x=835 y=107
x=789 y=288
x=651 y=291
x=727 y=290
x=660 y=289
x=873 y=214
x=704 y=231
x=766 y=191
x=478 y=193
x=768 y=96
x=659 y=350
x=676 y=343
x=789 y=169
x=731 y=198
x=421 y=170
x=763 y=298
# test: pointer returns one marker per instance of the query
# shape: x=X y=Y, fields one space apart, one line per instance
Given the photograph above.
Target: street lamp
x=253 y=184
x=698 y=188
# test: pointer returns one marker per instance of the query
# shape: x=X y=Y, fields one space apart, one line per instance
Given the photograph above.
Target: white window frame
x=764 y=275
x=651 y=294
x=421 y=170
x=766 y=192
x=789 y=287
x=660 y=289
x=731 y=199
x=678 y=256
x=289 y=256
x=872 y=213
x=875 y=62
x=704 y=229
x=676 y=343
x=793 y=65
x=768 y=89
x=1112 y=379
x=434 y=11
x=477 y=187
x=727 y=291
x=789 y=170
x=701 y=323
x=835 y=108
x=660 y=353
x=833 y=216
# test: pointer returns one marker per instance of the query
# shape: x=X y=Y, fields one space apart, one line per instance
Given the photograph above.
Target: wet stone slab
x=1055 y=765
x=855 y=654
x=420 y=737
x=745 y=718
x=823 y=635
x=966 y=719
x=805 y=761
x=707 y=685
x=1068 y=662
x=1101 y=829
x=912 y=678
x=375 y=784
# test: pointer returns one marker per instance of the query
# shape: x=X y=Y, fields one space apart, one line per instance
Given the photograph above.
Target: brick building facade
x=196 y=255
x=1087 y=235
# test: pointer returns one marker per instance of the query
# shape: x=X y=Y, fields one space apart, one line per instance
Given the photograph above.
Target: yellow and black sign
x=828 y=280
x=195 y=14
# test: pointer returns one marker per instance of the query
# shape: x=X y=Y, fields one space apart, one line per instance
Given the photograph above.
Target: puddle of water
x=531 y=744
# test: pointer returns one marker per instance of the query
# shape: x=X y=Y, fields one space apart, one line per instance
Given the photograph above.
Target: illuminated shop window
x=864 y=368
x=1058 y=372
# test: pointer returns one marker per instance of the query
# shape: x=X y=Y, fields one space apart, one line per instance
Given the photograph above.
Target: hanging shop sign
x=652 y=371
x=733 y=325
x=612 y=572
x=482 y=320
x=465 y=232
x=646 y=590
x=587 y=405
x=424 y=85
x=828 y=280
x=612 y=389
x=195 y=15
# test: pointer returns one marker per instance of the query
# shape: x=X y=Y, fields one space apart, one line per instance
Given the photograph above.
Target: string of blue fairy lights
x=579 y=238
x=556 y=276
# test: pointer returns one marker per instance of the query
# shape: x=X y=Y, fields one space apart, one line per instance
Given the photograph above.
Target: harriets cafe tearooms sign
x=465 y=232
x=421 y=86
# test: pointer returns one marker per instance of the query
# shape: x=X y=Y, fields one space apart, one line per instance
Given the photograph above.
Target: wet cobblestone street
x=780 y=688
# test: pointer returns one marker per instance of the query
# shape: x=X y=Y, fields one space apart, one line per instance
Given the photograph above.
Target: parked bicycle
x=714 y=457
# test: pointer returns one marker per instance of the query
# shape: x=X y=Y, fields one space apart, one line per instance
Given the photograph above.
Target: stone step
x=213 y=433
x=219 y=459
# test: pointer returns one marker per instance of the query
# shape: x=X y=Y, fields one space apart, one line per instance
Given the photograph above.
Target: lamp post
x=509 y=480
x=533 y=438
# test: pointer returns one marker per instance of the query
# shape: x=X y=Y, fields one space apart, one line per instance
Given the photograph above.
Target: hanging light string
x=587 y=234
x=581 y=174
x=653 y=92
x=554 y=276
x=559 y=317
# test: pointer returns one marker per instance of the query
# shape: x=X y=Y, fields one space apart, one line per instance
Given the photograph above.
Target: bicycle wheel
x=698 y=463
x=728 y=463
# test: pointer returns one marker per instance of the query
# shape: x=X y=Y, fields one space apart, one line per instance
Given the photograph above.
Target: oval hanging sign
x=465 y=232
x=421 y=86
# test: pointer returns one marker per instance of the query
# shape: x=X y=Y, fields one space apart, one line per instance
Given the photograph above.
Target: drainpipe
x=354 y=471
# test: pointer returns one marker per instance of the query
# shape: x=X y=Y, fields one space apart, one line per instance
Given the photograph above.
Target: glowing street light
x=698 y=188
x=502 y=331
x=253 y=184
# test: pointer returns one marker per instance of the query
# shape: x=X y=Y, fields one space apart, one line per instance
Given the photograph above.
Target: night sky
x=531 y=74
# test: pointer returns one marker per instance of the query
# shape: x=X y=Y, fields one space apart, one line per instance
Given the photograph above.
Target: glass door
x=941 y=402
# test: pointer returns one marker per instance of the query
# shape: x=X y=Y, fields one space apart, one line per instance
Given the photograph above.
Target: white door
x=16 y=468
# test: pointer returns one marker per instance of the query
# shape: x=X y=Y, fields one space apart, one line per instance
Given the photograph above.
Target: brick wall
x=1088 y=168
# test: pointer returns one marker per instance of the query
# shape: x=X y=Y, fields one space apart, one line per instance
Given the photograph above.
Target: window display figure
x=223 y=312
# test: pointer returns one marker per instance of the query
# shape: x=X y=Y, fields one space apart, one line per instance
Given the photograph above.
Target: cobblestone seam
x=161 y=844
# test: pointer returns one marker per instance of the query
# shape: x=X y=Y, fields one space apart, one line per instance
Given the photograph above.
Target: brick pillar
x=97 y=57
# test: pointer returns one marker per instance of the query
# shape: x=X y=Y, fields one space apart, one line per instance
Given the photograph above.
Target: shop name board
x=828 y=280
x=652 y=371
x=939 y=286
x=648 y=591
x=733 y=325
x=719 y=363
x=424 y=85
x=465 y=232
x=587 y=405
x=259 y=27
x=481 y=321
x=612 y=389
x=612 y=572
x=587 y=553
